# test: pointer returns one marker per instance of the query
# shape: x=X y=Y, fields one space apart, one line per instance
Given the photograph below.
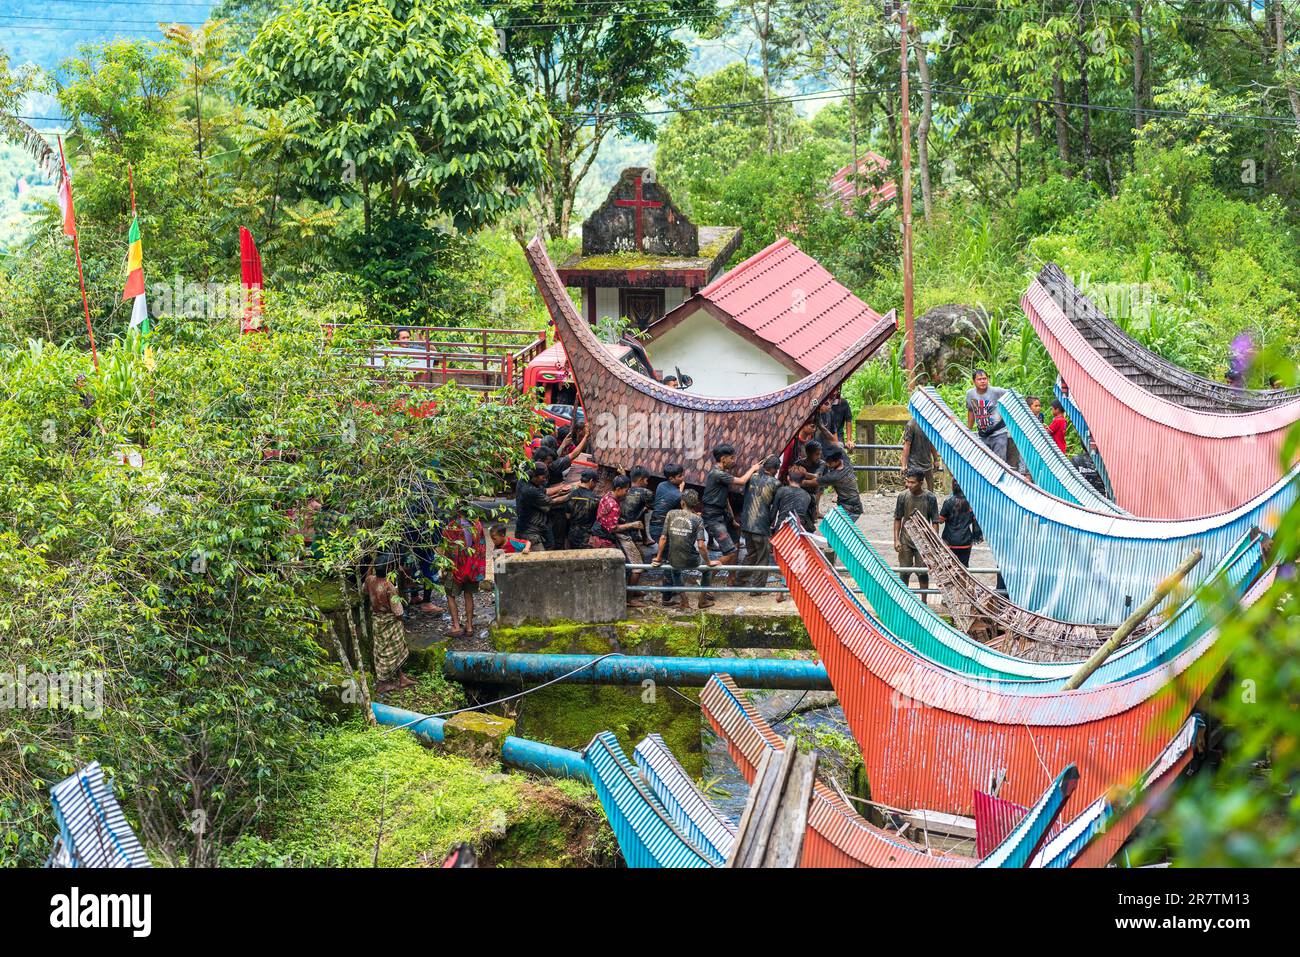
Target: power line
x=833 y=92
x=1105 y=108
x=114 y=22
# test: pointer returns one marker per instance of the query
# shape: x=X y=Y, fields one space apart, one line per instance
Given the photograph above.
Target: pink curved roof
x=1164 y=460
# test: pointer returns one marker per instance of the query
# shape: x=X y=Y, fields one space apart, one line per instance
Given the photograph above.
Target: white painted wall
x=722 y=363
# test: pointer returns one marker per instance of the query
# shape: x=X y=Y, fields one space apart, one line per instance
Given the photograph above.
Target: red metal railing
x=486 y=360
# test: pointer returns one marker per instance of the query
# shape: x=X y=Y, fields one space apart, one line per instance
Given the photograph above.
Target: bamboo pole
x=76 y=246
x=1133 y=620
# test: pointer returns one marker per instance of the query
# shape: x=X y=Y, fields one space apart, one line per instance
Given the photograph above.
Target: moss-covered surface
x=699 y=634
x=546 y=814
x=569 y=716
x=723 y=631
x=329 y=596
x=431 y=802
x=641 y=637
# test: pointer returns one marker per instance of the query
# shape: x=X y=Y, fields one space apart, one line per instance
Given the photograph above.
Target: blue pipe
x=507 y=668
x=518 y=753
x=428 y=728
x=544 y=759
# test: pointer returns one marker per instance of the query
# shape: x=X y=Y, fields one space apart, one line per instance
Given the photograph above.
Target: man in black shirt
x=557 y=519
x=791 y=499
x=756 y=519
x=839 y=475
x=839 y=417
x=631 y=511
x=718 y=518
x=918 y=453
x=812 y=465
x=532 y=508
x=687 y=546
x=915 y=498
x=668 y=496
x=638 y=498
x=581 y=510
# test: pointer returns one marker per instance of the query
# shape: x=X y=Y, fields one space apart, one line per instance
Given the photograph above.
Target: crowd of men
x=731 y=521
x=677 y=529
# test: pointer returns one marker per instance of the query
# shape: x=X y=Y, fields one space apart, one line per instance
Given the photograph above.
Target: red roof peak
x=787 y=299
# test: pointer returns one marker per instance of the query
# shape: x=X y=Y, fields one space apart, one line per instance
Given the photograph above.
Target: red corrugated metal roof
x=847 y=190
x=788 y=299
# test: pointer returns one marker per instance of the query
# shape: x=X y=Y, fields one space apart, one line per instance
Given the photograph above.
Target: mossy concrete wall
x=583 y=585
x=699 y=634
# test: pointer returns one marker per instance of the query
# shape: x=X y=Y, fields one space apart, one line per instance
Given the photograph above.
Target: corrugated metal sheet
x=1051 y=470
x=1223 y=459
x=1097 y=834
x=845 y=189
x=1027 y=834
x=608 y=389
x=995 y=819
x=903 y=619
x=929 y=738
x=707 y=828
x=1143 y=367
x=837 y=835
x=1071 y=563
x=645 y=831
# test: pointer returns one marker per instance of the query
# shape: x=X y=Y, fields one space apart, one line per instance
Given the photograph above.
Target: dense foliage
x=179 y=578
x=387 y=156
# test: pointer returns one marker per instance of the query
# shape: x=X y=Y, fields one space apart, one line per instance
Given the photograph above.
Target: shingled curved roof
x=1143 y=367
x=757 y=426
x=1223 y=458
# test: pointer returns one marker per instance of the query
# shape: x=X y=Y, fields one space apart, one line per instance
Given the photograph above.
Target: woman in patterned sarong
x=387 y=612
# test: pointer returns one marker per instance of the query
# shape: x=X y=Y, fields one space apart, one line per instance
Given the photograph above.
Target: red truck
x=489 y=360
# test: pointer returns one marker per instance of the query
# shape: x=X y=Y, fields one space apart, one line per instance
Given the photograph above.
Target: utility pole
x=909 y=326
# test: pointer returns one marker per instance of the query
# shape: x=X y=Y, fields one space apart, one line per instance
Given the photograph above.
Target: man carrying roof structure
x=982 y=415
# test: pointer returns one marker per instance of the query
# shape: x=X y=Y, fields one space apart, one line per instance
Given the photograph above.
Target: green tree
x=399 y=103
x=599 y=67
x=700 y=145
x=185 y=581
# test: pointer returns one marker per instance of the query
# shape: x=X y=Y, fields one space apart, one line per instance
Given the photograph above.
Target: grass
x=429 y=802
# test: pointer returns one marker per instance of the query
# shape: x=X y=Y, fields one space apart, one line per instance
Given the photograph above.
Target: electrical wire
x=512 y=697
